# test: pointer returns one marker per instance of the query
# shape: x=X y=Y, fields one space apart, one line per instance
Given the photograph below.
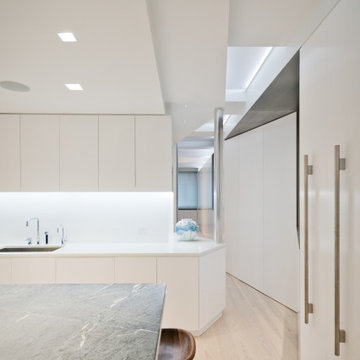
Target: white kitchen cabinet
x=116 y=153
x=33 y=270
x=211 y=288
x=244 y=194
x=281 y=247
x=83 y=270
x=5 y=271
x=153 y=139
x=260 y=209
x=79 y=155
x=140 y=269
x=40 y=152
x=9 y=152
x=195 y=282
x=329 y=115
x=181 y=276
x=85 y=153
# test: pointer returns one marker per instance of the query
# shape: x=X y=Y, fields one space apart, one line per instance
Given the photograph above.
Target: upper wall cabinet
x=153 y=137
x=116 y=153
x=9 y=153
x=79 y=153
x=85 y=153
x=39 y=152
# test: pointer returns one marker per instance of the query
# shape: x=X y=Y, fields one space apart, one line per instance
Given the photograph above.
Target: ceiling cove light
x=74 y=87
x=260 y=63
x=67 y=37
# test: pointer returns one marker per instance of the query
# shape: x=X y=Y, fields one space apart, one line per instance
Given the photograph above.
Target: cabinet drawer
x=33 y=271
x=80 y=270
x=141 y=269
x=5 y=271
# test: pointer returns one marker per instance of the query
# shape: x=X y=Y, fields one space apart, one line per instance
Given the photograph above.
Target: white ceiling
x=193 y=152
x=267 y=23
x=113 y=60
x=144 y=56
x=243 y=64
x=190 y=38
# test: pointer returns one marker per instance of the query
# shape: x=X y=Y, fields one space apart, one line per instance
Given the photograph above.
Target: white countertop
x=173 y=248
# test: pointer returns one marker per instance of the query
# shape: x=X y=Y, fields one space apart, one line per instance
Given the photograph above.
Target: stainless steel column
x=218 y=159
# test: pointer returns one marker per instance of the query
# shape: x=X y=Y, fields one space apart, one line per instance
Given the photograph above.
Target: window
x=187 y=190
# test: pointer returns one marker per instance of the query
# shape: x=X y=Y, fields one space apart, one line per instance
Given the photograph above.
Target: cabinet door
x=181 y=276
x=9 y=153
x=33 y=270
x=82 y=270
x=79 y=153
x=153 y=139
x=330 y=113
x=131 y=269
x=40 y=152
x=5 y=271
x=116 y=153
x=244 y=223
x=281 y=248
x=211 y=287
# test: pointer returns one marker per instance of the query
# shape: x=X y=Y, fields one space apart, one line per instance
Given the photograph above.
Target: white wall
x=260 y=209
x=88 y=217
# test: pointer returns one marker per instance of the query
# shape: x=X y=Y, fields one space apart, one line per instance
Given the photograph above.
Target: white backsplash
x=88 y=217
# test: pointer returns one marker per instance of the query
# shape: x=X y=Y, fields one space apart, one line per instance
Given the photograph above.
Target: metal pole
x=175 y=182
x=218 y=156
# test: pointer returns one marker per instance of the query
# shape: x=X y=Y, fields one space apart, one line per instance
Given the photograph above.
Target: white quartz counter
x=174 y=248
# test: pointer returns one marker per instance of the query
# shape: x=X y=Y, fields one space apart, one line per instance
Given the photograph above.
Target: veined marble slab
x=92 y=322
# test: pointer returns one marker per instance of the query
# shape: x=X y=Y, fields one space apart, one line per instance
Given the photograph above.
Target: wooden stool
x=176 y=344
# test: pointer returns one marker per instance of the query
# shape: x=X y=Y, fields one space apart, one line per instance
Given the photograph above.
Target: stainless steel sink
x=30 y=249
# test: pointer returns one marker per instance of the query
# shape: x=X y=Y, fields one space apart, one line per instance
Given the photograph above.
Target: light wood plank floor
x=253 y=327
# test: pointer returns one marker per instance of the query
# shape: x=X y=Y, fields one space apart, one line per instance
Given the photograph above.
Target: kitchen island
x=193 y=271
x=87 y=321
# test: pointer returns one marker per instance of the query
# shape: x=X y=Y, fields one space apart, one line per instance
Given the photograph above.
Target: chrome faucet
x=37 y=229
x=61 y=226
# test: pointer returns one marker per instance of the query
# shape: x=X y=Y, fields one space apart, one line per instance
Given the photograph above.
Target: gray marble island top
x=97 y=322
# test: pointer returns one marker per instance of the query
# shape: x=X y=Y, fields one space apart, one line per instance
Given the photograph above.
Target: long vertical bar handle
x=339 y=333
x=308 y=170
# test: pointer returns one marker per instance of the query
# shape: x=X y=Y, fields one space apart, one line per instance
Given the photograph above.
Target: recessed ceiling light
x=67 y=37
x=14 y=86
x=74 y=87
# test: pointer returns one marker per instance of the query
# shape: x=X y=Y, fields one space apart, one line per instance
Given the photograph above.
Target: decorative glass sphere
x=186 y=229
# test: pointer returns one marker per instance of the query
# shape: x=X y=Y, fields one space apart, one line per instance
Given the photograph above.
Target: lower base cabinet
x=181 y=276
x=33 y=270
x=5 y=271
x=82 y=270
x=135 y=269
x=195 y=285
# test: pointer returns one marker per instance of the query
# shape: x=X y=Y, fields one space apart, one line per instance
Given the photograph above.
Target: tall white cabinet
x=330 y=115
x=243 y=189
x=260 y=209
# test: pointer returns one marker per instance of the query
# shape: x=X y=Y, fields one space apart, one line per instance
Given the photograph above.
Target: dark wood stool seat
x=176 y=344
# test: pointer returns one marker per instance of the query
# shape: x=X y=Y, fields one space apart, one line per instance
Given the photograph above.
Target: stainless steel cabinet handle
x=308 y=170
x=339 y=334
